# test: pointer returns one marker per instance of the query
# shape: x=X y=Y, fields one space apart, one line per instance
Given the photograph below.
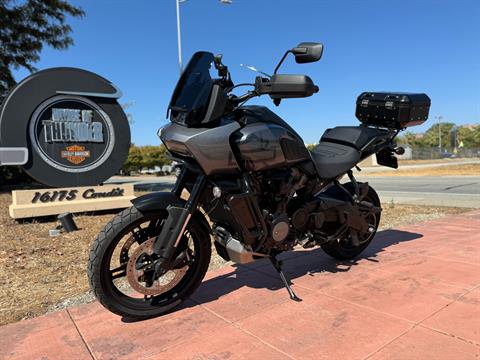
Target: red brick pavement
x=414 y=294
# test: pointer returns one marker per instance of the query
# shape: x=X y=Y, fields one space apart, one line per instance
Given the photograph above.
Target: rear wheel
x=343 y=248
x=120 y=258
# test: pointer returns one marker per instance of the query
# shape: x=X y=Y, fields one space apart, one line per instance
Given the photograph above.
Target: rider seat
x=340 y=149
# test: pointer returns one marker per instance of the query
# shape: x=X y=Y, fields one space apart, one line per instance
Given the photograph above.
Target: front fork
x=174 y=226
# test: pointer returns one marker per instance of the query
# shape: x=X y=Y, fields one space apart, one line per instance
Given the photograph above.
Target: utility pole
x=439 y=118
x=179 y=33
x=453 y=134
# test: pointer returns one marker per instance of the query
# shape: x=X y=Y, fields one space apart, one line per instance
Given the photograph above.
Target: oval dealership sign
x=72 y=134
x=65 y=127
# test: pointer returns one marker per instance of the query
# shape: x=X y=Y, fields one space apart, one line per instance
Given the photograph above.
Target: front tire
x=343 y=249
x=113 y=291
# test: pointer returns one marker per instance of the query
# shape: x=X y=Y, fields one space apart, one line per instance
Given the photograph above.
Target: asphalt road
x=426 y=184
x=461 y=191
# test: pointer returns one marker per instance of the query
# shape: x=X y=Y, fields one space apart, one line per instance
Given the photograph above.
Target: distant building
x=470 y=126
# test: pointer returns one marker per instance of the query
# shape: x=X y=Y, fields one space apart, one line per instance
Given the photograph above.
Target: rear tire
x=135 y=307
x=342 y=249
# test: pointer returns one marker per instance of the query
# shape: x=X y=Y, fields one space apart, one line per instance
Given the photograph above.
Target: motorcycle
x=251 y=175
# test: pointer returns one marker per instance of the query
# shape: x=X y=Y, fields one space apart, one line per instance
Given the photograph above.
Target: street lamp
x=179 y=35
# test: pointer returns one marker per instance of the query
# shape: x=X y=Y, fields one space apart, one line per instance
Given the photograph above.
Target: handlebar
x=236 y=100
x=278 y=87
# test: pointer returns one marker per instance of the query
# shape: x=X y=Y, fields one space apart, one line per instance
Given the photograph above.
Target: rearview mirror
x=307 y=52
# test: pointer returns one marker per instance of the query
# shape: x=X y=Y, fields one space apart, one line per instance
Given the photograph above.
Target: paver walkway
x=414 y=294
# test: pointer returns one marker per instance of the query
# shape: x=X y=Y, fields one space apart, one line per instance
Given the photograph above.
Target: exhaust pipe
x=239 y=253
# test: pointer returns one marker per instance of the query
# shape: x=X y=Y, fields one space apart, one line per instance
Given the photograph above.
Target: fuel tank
x=209 y=146
x=265 y=141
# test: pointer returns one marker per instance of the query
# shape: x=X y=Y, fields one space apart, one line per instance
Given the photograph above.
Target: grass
x=447 y=170
x=37 y=272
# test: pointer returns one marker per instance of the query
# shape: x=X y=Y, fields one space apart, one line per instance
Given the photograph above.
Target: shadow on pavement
x=261 y=274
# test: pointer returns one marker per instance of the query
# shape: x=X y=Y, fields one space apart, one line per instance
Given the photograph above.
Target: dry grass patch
x=433 y=161
x=38 y=272
x=445 y=170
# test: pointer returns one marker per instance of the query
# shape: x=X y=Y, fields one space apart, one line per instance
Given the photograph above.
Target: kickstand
x=278 y=266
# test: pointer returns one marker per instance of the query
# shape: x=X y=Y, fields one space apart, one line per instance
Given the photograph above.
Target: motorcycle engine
x=277 y=188
x=267 y=200
x=280 y=236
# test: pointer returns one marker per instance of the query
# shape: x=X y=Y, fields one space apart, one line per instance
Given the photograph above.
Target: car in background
x=447 y=155
x=171 y=169
x=176 y=168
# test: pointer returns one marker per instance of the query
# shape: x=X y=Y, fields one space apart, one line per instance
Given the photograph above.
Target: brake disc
x=135 y=238
x=136 y=277
x=126 y=248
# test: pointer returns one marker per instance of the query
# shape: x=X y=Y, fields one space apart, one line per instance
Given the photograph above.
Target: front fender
x=158 y=201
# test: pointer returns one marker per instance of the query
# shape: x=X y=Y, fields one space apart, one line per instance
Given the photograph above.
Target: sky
x=430 y=46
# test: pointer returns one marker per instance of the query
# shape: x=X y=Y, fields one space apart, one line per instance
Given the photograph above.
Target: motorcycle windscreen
x=191 y=95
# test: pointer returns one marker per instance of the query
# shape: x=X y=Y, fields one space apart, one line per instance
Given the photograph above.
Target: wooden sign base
x=44 y=202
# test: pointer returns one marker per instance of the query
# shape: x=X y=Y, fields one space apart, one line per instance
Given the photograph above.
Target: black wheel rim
x=345 y=244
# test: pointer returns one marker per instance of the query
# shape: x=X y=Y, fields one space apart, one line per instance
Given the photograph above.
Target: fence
x=434 y=153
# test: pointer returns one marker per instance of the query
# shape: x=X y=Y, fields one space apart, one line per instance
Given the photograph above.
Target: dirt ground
x=448 y=170
x=39 y=273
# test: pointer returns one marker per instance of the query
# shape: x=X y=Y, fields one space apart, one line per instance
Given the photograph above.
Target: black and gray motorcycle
x=251 y=183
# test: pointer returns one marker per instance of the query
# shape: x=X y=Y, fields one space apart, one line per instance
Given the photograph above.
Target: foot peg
x=278 y=266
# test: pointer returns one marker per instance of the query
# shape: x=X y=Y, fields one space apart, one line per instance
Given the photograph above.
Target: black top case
x=392 y=110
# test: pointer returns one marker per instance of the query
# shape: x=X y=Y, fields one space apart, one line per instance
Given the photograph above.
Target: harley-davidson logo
x=75 y=154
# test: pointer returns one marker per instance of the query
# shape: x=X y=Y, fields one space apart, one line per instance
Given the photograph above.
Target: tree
x=25 y=28
x=134 y=160
x=145 y=157
x=430 y=139
x=469 y=136
x=125 y=107
x=409 y=139
x=153 y=156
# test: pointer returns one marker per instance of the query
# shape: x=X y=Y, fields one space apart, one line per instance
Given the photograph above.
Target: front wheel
x=343 y=248
x=118 y=275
